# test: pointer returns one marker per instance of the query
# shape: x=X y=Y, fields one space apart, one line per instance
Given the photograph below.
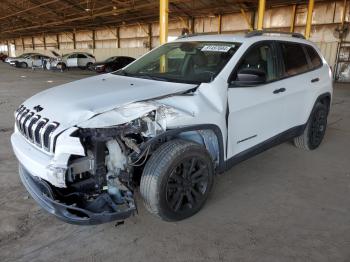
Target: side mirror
x=249 y=77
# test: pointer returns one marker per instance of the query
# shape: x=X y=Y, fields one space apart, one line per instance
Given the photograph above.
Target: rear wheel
x=315 y=129
x=177 y=180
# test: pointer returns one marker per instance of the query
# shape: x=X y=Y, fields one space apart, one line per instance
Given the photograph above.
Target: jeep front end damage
x=91 y=177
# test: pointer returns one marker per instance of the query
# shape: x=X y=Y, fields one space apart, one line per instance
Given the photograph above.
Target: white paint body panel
x=109 y=100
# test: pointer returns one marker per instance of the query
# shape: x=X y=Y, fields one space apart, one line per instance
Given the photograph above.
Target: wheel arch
x=209 y=135
x=324 y=99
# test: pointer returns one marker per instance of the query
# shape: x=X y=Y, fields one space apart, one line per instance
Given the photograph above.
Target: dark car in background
x=3 y=57
x=112 y=64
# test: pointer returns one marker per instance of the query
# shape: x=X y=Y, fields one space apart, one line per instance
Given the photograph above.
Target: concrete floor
x=282 y=205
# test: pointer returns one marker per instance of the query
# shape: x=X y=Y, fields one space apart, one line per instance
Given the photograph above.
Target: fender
x=176 y=131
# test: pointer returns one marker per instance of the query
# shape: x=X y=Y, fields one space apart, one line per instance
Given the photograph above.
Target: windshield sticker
x=216 y=48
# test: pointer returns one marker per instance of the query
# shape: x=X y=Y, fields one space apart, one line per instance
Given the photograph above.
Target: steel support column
x=118 y=37
x=310 y=9
x=163 y=21
x=44 y=41
x=261 y=12
x=74 y=40
x=292 y=22
x=344 y=13
x=150 y=36
x=191 y=24
x=219 y=24
x=33 y=43
x=58 y=41
x=163 y=30
x=93 y=39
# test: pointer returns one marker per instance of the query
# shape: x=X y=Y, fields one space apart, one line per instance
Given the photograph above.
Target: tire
x=88 y=66
x=23 y=65
x=315 y=129
x=61 y=66
x=108 y=69
x=169 y=192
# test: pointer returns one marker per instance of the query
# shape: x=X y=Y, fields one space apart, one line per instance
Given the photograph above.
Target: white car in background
x=24 y=55
x=78 y=59
x=33 y=60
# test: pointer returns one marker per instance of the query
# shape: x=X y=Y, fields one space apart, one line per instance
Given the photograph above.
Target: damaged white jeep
x=167 y=123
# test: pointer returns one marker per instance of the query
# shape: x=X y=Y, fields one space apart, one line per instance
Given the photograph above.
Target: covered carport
x=282 y=205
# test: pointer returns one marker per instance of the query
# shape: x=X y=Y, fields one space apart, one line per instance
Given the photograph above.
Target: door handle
x=280 y=90
x=315 y=80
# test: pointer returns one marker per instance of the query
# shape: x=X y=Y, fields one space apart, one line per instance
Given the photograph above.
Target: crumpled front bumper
x=35 y=187
x=38 y=181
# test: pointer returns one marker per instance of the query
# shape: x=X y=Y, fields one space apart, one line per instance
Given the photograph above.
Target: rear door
x=256 y=113
x=299 y=78
x=82 y=60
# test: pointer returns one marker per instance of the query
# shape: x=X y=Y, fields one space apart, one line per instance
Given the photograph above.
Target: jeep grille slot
x=36 y=129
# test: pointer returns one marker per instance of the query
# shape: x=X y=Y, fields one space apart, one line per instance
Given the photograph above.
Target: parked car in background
x=3 y=57
x=78 y=59
x=33 y=60
x=9 y=59
x=112 y=64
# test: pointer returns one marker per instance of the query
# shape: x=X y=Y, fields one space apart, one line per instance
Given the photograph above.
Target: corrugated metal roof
x=27 y=17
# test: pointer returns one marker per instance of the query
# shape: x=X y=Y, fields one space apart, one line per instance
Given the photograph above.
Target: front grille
x=36 y=129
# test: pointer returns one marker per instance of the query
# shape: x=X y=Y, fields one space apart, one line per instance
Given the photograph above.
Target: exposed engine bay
x=104 y=179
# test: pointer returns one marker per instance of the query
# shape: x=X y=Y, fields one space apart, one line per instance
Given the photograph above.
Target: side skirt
x=257 y=149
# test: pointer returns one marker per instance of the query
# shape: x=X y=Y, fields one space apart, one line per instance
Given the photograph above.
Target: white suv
x=168 y=122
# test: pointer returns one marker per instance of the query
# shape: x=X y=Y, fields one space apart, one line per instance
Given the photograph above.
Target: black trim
x=174 y=132
x=64 y=212
x=253 y=46
x=262 y=32
x=304 y=45
x=259 y=148
x=280 y=61
x=319 y=99
x=245 y=139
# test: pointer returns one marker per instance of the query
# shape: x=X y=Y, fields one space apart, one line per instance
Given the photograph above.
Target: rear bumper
x=36 y=188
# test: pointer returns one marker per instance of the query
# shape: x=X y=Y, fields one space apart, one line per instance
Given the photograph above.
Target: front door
x=72 y=60
x=256 y=110
x=82 y=60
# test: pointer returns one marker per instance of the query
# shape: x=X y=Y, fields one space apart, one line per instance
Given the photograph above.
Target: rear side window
x=315 y=59
x=295 y=61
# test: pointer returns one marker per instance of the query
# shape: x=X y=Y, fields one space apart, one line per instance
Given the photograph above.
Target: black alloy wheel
x=187 y=185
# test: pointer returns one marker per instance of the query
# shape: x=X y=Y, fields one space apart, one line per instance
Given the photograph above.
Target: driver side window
x=259 y=60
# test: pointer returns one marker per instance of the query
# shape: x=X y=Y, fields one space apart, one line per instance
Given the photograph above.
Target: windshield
x=24 y=55
x=185 y=62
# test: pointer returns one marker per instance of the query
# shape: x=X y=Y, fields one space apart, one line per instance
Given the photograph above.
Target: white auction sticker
x=216 y=48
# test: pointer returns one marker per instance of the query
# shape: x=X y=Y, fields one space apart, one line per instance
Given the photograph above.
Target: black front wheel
x=177 y=180
x=23 y=65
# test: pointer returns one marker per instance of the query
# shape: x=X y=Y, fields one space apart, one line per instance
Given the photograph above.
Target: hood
x=78 y=101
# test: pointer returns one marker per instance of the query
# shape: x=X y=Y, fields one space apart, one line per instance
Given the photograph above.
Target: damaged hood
x=75 y=102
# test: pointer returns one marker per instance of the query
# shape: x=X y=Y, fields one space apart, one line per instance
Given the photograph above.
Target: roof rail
x=195 y=34
x=263 y=32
